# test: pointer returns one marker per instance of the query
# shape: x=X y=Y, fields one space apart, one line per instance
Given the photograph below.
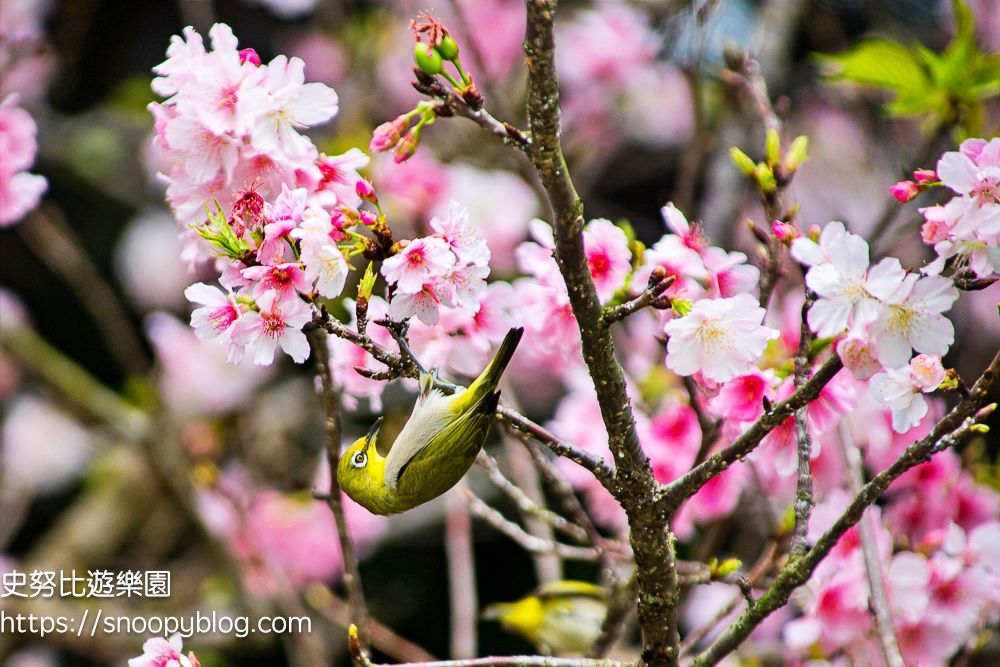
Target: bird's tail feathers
x=490 y=378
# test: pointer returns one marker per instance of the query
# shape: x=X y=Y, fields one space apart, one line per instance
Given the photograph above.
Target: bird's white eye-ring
x=360 y=460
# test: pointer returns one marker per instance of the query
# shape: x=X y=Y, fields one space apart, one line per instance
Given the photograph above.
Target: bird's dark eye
x=359 y=460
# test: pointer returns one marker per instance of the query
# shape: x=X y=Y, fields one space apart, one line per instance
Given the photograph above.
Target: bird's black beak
x=372 y=432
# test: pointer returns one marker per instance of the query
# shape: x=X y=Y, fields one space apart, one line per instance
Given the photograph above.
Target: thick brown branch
x=635 y=486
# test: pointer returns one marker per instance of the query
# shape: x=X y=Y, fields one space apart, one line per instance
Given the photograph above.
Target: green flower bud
x=796 y=154
x=427 y=58
x=448 y=48
x=772 y=147
x=743 y=161
x=682 y=306
x=367 y=284
x=765 y=179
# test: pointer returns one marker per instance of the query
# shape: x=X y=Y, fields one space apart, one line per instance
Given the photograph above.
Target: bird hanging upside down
x=436 y=447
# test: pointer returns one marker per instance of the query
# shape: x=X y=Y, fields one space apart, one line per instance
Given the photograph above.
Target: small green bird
x=436 y=447
x=560 y=617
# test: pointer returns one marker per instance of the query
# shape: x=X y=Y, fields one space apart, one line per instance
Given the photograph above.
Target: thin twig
x=869 y=549
x=461 y=574
x=525 y=504
x=528 y=542
x=331 y=405
x=709 y=427
x=621 y=604
x=338 y=612
x=592 y=462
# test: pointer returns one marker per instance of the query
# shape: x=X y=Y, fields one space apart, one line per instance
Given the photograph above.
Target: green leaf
x=878 y=62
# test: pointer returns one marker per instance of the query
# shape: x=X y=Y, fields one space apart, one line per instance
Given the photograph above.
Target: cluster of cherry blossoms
x=232 y=124
x=966 y=230
x=20 y=191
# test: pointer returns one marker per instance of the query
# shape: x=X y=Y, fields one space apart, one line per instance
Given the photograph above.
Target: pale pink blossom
x=337 y=178
x=195 y=378
x=424 y=303
x=719 y=337
x=902 y=389
x=465 y=283
x=162 y=652
x=291 y=104
x=422 y=261
x=456 y=230
x=277 y=322
x=217 y=317
x=911 y=317
x=43 y=448
x=286 y=280
x=20 y=191
x=857 y=351
x=325 y=264
x=847 y=290
x=728 y=272
x=975 y=175
x=608 y=257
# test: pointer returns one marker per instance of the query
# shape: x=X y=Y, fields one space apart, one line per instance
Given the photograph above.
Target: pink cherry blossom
x=422 y=261
x=325 y=264
x=741 y=398
x=456 y=230
x=161 y=652
x=728 y=272
x=217 y=317
x=195 y=378
x=283 y=279
x=20 y=191
x=608 y=257
x=278 y=322
x=901 y=389
x=424 y=302
x=911 y=317
x=719 y=337
x=339 y=177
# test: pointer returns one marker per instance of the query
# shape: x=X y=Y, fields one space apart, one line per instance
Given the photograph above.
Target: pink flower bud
x=814 y=233
x=407 y=146
x=905 y=191
x=925 y=176
x=250 y=56
x=368 y=219
x=365 y=191
x=784 y=232
x=387 y=134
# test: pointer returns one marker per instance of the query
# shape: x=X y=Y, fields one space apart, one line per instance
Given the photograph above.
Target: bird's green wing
x=448 y=456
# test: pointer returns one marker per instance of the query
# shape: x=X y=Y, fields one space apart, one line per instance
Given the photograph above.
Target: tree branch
x=803 y=480
x=676 y=492
x=635 y=486
x=869 y=549
x=946 y=433
x=525 y=504
x=528 y=542
x=331 y=404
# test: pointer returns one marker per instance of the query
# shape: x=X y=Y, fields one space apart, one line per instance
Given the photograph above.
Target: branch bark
x=634 y=486
x=331 y=405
